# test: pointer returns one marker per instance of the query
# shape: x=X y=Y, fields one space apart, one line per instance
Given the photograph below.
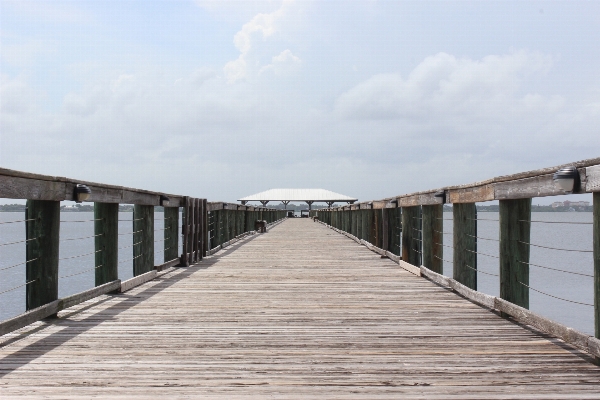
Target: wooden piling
x=42 y=228
x=196 y=237
x=184 y=231
x=171 y=233
x=385 y=227
x=515 y=232
x=395 y=231
x=411 y=225
x=143 y=239
x=465 y=244
x=597 y=263
x=203 y=228
x=433 y=225
x=106 y=242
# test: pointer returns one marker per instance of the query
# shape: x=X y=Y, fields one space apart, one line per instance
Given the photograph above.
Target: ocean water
x=76 y=253
x=564 y=235
x=77 y=260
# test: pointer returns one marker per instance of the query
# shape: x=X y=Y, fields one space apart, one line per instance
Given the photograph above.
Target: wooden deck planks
x=299 y=312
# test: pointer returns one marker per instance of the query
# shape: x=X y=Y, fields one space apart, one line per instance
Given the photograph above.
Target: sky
x=223 y=99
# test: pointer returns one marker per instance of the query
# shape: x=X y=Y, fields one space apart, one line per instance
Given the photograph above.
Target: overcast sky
x=222 y=99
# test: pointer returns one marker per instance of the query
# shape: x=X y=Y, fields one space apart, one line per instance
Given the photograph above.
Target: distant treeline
x=534 y=208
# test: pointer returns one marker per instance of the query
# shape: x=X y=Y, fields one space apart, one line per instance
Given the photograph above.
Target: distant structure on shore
x=568 y=203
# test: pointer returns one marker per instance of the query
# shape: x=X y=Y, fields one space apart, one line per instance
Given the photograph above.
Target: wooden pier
x=298 y=312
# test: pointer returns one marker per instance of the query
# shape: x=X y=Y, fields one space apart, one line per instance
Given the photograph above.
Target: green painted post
x=171 y=233
x=385 y=239
x=106 y=242
x=143 y=228
x=249 y=221
x=410 y=225
x=398 y=231
x=195 y=231
x=433 y=226
x=42 y=229
x=465 y=244
x=597 y=264
x=191 y=230
x=217 y=227
x=185 y=226
x=515 y=231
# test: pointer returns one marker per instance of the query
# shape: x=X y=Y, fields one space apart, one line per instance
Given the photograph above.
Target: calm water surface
x=76 y=267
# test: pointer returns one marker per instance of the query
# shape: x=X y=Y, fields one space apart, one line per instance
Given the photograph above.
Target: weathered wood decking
x=299 y=312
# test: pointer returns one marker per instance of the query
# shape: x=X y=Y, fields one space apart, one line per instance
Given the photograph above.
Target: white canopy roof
x=312 y=195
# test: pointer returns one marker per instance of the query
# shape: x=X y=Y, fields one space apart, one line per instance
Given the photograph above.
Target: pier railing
x=203 y=227
x=409 y=228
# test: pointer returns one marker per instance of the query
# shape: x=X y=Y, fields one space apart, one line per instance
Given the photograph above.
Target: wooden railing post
x=191 y=230
x=217 y=228
x=203 y=228
x=365 y=224
x=375 y=228
x=196 y=248
x=42 y=234
x=515 y=231
x=433 y=226
x=411 y=224
x=385 y=228
x=465 y=244
x=106 y=242
x=597 y=264
x=185 y=227
x=249 y=221
x=143 y=228
x=171 y=233
x=226 y=225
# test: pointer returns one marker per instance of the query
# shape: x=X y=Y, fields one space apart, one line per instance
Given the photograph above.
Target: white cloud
x=443 y=85
x=285 y=62
x=262 y=24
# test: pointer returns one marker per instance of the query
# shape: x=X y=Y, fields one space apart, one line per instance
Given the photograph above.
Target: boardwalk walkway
x=299 y=312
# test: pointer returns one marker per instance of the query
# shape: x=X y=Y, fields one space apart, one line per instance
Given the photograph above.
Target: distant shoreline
x=447 y=208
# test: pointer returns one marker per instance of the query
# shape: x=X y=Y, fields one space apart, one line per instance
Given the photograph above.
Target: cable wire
x=439 y=258
x=483 y=254
x=126 y=247
x=555 y=248
x=21 y=220
x=79 y=273
x=85 y=220
x=559 y=298
x=85 y=237
x=482 y=238
x=483 y=272
x=121 y=262
x=556 y=269
x=82 y=255
x=558 y=222
x=130 y=233
x=16 y=287
x=20 y=241
x=16 y=265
